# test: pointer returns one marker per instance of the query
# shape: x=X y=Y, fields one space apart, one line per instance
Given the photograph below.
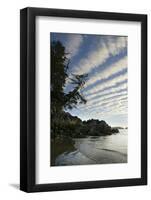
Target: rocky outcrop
x=72 y=126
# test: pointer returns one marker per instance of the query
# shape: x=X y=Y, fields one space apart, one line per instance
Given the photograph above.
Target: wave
x=124 y=154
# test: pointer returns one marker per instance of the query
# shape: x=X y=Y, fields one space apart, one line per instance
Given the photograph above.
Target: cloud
x=106 y=101
x=110 y=107
x=116 y=109
x=73 y=44
x=107 y=97
x=109 y=46
x=113 y=69
x=109 y=90
x=109 y=83
x=113 y=108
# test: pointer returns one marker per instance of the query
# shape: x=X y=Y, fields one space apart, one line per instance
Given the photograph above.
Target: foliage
x=59 y=76
x=74 y=97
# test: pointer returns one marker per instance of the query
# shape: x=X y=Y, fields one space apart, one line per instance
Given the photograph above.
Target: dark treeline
x=72 y=126
x=63 y=123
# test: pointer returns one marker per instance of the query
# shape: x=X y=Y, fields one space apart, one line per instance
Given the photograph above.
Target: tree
x=74 y=97
x=59 y=99
x=59 y=75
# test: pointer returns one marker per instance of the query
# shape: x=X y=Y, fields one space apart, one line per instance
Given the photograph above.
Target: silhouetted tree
x=74 y=97
x=59 y=75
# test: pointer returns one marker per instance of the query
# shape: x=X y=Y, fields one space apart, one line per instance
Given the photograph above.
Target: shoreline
x=90 y=150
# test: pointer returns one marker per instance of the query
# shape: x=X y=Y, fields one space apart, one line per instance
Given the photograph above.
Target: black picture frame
x=28 y=98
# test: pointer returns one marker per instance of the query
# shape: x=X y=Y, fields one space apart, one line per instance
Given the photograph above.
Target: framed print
x=83 y=99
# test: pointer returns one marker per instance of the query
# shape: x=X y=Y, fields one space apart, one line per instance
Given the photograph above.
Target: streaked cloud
x=109 y=71
x=99 y=99
x=109 y=90
x=108 y=83
x=104 y=59
x=106 y=101
x=108 y=46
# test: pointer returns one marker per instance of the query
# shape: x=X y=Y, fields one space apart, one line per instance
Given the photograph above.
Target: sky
x=104 y=59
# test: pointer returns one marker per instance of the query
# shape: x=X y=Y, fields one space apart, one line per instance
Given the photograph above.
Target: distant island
x=118 y=127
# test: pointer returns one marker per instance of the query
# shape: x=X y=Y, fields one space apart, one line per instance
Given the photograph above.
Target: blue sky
x=104 y=59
